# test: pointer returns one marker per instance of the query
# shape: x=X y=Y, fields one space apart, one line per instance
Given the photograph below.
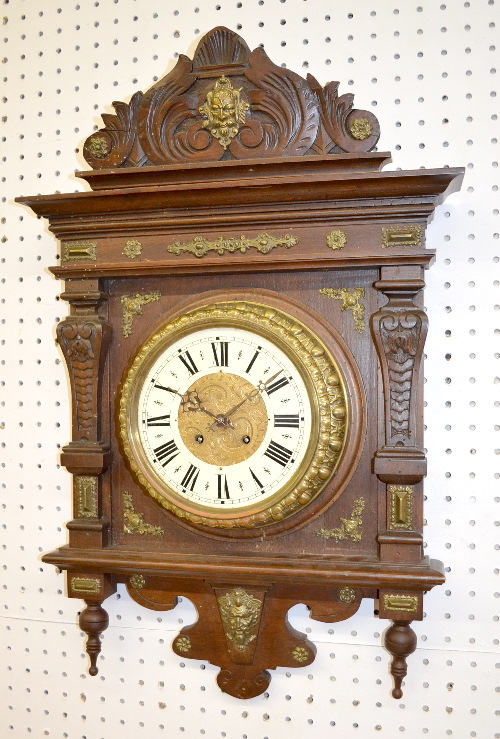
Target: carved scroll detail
x=399 y=337
x=176 y=119
x=399 y=330
x=115 y=145
x=84 y=341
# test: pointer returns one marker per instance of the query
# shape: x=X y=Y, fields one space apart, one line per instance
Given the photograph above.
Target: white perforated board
x=428 y=71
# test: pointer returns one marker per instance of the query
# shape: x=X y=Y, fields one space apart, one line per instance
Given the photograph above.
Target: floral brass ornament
x=86 y=496
x=240 y=614
x=361 y=129
x=406 y=603
x=74 y=251
x=132 y=306
x=132 y=249
x=351 y=300
x=224 y=110
x=134 y=522
x=183 y=644
x=350 y=528
x=336 y=240
x=300 y=654
x=98 y=147
x=199 y=246
x=401 y=236
x=347 y=595
x=137 y=581
x=400 y=506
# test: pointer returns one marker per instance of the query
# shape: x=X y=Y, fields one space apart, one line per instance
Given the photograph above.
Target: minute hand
x=261 y=386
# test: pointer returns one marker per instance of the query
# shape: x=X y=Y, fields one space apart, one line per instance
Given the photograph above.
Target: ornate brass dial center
x=227 y=423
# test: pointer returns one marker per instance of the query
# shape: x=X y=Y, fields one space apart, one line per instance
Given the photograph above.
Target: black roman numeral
x=159 y=421
x=251 y=362
x=221 y=351
x=167 y=452
x=187 y=361
x=286 y=421
x=189 y=479
x=257 y=481
x=222 y=488
x=276 y=385
x=278 y=453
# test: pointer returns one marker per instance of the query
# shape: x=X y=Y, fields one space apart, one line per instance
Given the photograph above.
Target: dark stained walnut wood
x=285 y=115
x=284 y=204
x=93 y=621
x=400 y=641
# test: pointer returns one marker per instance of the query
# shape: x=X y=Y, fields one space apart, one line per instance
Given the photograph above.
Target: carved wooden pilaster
x=399 y=330
x=84 y=338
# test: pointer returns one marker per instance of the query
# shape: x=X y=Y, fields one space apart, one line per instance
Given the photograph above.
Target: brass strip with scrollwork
x=263 y=243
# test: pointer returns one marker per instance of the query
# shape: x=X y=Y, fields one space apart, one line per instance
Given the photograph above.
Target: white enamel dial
x=224 y=419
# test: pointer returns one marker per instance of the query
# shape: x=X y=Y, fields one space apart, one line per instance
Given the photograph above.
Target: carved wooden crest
x=229 y=103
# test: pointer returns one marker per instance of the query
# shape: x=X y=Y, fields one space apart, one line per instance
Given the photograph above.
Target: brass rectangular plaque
x=85 y=586
x=407 y=603
x=79 y=250
x=401 y=236
x=400 y=506
x=86 y=495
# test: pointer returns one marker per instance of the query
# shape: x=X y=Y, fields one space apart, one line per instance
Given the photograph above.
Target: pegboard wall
x=428 y=71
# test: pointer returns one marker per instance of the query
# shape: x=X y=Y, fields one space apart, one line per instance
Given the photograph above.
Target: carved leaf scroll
x=288 y=104
x=84 y=342
x=399 y=331
x=288 y=115
x=115 y=145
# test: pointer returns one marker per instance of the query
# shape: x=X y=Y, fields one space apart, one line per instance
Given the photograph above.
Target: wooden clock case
x=286 y=205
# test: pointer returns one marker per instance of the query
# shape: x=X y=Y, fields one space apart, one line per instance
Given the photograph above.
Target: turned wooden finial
x=401 y=641
x=93 y=621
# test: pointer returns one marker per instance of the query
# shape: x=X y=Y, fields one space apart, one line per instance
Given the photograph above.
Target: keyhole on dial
x=199 y=439
x=246 y=440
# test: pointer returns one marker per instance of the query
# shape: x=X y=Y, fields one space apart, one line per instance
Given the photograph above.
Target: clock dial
x=224 y=418
x=233 y=415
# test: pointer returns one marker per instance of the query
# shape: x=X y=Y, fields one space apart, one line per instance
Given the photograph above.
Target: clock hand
x=261 y=386
x=191 y=401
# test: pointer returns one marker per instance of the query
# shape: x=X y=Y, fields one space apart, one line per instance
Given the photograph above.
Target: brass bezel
x=325 y=388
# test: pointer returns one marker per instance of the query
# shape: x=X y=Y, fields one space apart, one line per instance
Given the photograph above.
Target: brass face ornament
x=224 y=110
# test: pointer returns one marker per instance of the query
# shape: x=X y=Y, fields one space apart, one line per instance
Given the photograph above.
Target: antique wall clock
x=245 y=349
